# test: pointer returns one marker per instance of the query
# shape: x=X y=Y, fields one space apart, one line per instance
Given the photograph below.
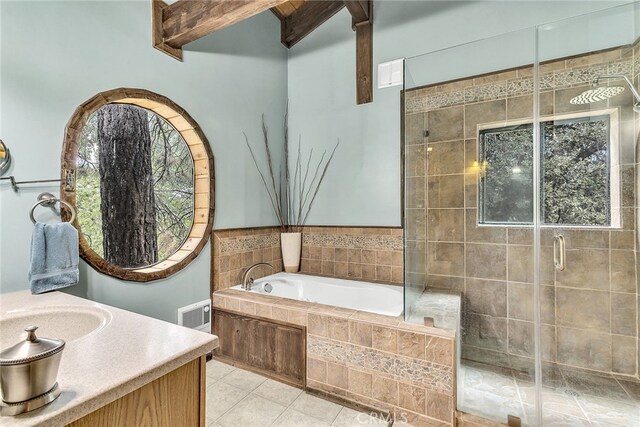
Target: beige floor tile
x=632 y=388
x=278 y=392
x=554 y=419
x=350 y=418
x=239 y=398
x=579 y=398
x=293 y=418
x=210 y=381
x=217 y=370
x=316 y=407
x=552 y=400
x=244 y=380
x=252 y=411
x=600 y=386
x=610 y=412
x=220 y=398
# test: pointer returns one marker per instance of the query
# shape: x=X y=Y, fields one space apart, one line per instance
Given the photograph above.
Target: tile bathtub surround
x=360 y=253
x=372 y=360
x=590 y=311
x=236 y=250
x=371 y=253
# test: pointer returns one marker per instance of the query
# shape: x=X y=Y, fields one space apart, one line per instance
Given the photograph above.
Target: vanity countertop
x=124 y=352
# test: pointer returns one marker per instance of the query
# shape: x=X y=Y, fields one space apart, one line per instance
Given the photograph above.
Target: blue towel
x=54 y=257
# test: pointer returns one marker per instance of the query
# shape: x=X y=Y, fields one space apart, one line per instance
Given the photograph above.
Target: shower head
x=598 y=94
x=606 y=92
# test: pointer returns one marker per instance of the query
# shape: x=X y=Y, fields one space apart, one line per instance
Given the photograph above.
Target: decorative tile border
x=391 y=243
x=230 y=246
x=520 y=87
x=427 y=374
x=485 y=93
x=421 y=103
x=350 y=355
x=415 y=371
x=424 y=100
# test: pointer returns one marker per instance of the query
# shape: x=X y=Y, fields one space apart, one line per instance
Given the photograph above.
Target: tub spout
x=247 y=281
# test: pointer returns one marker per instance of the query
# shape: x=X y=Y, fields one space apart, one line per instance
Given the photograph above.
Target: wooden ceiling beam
x=361 y=11
x=158 y=7
x=309 y=16
x=362 y=22
x=364 y=63
x=187 y=20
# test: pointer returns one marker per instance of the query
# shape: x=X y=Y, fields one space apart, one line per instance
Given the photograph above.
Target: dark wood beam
x=277 y=13
x=156 y=30
x=362 y=21
x=360 y=10
x=364 y=63
x=187 y=20
x=307 y=18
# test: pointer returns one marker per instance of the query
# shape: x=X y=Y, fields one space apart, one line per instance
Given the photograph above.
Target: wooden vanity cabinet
x=175 y=399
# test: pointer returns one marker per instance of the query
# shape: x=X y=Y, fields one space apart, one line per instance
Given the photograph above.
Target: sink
x=69 y=323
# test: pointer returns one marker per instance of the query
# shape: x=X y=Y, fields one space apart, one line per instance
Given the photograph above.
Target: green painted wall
x=57 y=54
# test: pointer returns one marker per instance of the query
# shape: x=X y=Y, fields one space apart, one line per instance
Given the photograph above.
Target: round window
x=143 y=184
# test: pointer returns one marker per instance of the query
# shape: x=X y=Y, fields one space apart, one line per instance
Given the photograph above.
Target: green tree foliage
x=575 y=173
x=172 y=172
x=506 y=191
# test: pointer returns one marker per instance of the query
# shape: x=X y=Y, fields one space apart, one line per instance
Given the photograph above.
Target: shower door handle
x=559 y=252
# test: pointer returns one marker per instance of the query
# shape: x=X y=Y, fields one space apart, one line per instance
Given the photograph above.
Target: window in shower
x=579 y=173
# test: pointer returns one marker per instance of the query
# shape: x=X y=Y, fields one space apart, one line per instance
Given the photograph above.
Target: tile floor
x=570 y=397
x=239 y=398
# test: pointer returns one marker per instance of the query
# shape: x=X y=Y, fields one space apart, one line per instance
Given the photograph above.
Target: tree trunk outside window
x=126 y=186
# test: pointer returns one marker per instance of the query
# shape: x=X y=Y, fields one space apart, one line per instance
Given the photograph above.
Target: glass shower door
x=589 y=285
x=521 y=200
x=469 y=229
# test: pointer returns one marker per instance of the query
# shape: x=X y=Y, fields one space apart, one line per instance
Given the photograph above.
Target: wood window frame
x=204 y=201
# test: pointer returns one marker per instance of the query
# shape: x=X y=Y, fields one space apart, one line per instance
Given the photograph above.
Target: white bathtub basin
x=69 y=323
x=364 y=296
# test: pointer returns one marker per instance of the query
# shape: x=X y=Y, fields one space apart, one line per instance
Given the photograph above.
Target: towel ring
x=48 y=199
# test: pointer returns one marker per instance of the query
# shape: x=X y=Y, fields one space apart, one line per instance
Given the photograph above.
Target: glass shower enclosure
x=520 y=217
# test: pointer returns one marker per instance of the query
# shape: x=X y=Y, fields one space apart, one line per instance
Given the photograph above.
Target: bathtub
x=364 y=296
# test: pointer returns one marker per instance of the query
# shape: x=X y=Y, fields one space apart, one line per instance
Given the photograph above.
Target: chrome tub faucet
x=247 y=281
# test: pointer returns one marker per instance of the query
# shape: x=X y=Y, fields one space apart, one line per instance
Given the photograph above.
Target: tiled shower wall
x=589 y=311
x=361 y=253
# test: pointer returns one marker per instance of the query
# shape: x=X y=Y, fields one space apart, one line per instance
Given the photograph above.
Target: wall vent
x=196 y=316
x=391 y=73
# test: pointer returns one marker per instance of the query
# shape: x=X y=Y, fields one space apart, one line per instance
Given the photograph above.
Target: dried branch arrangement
x=291 y=193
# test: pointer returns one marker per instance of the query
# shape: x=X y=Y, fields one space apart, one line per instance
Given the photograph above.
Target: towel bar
x=48 y=199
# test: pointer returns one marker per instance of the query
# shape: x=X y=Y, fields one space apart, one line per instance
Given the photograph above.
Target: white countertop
x=127 y=351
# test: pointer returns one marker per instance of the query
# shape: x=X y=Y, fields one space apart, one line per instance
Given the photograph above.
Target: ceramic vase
x=291 y=244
